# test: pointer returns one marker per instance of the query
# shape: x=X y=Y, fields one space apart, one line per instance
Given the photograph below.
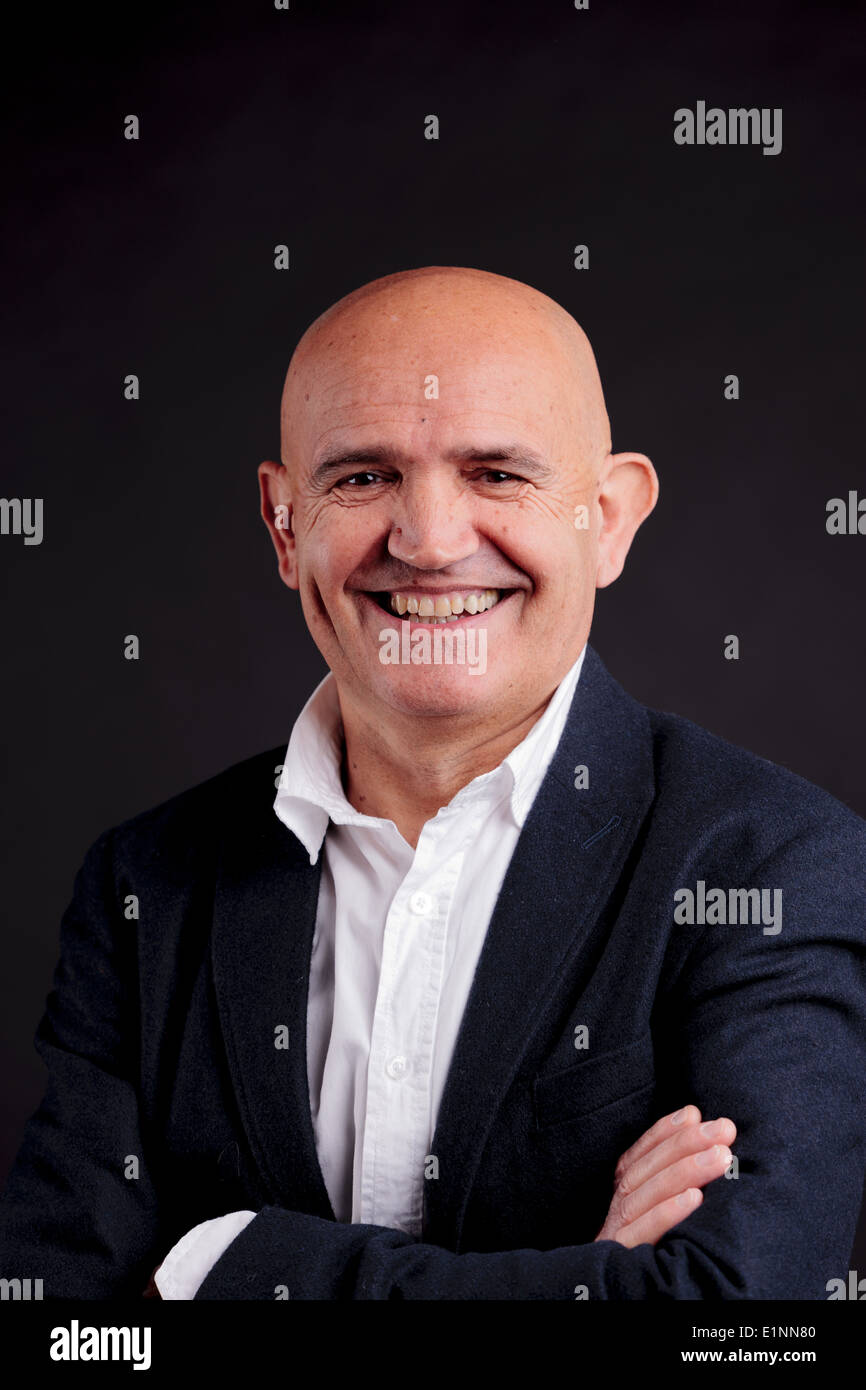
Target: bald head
x=429 y=318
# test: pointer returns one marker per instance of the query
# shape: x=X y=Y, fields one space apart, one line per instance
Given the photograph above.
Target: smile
x=456 y=606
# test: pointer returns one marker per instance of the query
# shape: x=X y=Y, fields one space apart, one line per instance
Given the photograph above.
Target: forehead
x=431 y=378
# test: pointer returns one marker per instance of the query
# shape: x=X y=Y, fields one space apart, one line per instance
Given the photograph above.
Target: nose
x=432 y=525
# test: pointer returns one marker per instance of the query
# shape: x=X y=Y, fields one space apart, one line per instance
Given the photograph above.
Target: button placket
x=397 y=1130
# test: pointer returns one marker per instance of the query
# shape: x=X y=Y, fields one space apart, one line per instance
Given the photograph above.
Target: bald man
x=479 y=1005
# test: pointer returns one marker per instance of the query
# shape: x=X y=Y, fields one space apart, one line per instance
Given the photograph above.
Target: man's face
x=476 y=489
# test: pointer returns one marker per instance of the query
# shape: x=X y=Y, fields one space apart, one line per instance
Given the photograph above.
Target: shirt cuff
x=190 y=1261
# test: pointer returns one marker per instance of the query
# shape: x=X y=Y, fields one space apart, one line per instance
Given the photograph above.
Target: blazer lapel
x=264 y=919
x=569 y=856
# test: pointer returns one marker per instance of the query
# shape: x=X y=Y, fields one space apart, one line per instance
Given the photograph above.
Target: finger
x=688 y=1140
x=662 y=1129
x=695 y=1171
x=649 y=1228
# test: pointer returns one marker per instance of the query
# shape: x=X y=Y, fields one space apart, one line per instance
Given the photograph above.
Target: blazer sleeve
x=767 y=1029
x=79 y=1209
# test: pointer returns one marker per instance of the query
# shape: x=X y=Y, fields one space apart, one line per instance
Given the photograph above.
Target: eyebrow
x=517 y=455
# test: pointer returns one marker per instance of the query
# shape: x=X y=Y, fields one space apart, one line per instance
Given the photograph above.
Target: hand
x=658 y=1180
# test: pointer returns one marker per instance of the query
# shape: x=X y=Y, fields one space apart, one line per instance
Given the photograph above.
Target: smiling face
x=441 y=432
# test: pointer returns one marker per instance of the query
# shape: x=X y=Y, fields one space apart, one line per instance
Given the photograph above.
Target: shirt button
x=421 y=904
x=397 y=1068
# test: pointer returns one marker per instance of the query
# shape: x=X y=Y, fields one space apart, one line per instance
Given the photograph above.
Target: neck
x=422 y=763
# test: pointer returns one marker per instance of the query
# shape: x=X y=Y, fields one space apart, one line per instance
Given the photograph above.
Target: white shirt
x=397 y=939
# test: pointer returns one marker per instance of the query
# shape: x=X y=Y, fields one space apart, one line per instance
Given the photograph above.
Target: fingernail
x=687 y=1198
x=678 y=1118
x=708 y=1156
x=712 y=1128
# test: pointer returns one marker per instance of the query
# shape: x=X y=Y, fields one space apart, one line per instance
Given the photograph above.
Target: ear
x=276 y=510
x=628 y=491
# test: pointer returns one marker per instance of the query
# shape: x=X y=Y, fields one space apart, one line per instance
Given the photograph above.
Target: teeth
x=444 y=608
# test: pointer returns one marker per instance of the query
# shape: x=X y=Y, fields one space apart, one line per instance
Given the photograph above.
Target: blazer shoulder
x=702 y=772
x=195 y=818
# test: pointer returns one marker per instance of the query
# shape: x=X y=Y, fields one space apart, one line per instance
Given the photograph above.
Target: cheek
x=565 y=596
x=545 y=546
x=334 y=545
x=536 y=527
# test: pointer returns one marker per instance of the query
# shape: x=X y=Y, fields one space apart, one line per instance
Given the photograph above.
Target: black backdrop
x=306 y=127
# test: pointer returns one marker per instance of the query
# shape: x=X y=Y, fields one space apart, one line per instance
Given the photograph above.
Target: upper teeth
x=442 y=607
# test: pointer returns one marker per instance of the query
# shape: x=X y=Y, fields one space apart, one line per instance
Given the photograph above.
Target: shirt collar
x=310 y=791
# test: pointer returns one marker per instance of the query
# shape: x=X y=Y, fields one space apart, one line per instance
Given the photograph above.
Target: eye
x=344 y=482
x=498 y=473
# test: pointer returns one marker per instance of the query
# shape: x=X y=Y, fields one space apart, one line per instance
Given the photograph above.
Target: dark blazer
x=159 y=1041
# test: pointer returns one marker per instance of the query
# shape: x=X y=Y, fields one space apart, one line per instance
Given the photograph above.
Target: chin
x=430 y=693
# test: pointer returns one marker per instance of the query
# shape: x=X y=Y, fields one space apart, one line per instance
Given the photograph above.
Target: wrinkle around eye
x=509 y=490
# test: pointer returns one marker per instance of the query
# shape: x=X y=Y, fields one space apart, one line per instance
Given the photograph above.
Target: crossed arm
x=657 y=1183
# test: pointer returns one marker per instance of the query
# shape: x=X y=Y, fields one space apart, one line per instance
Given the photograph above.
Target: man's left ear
x=628 y=491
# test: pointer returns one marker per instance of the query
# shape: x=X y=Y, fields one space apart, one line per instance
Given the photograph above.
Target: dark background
x=307 y=127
